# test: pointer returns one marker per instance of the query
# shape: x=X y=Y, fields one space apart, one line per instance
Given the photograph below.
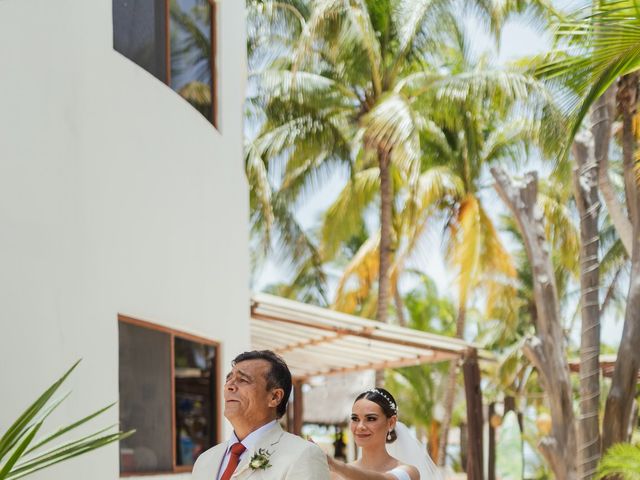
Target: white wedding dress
x=410 y=451
x=399 y=473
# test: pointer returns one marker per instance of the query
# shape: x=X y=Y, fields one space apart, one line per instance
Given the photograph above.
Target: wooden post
x=297 y=408
x=492 y=443
x=473 y=393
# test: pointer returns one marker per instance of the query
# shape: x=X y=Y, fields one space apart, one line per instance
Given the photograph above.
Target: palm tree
x=358 y=94
x=602 y=50
x=461 y=144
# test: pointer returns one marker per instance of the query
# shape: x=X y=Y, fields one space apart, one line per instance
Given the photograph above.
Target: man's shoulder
x=213 y=453
x=215 y=449
x=293 y=444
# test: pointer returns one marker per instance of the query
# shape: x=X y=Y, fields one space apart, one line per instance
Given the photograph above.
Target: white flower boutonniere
x=260 y=460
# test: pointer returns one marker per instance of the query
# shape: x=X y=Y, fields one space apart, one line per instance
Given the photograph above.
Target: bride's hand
x=333 y=463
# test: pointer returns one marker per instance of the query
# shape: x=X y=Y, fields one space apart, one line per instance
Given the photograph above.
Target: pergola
x=317 y=341
x=607 y=365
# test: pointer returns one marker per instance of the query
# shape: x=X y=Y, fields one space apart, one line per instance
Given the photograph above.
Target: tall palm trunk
x=623 y=385
x=546 y=349
x=386 y=197
x=586 y=194
x=602 y=116
x=450 y=392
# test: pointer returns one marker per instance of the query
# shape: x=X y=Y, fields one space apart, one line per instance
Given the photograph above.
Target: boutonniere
x=260 y=460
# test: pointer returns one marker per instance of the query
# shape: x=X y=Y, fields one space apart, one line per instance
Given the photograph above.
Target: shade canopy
x=607 y=365
x=316 y=341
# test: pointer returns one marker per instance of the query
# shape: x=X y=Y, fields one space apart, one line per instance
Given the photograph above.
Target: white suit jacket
x=292 y=458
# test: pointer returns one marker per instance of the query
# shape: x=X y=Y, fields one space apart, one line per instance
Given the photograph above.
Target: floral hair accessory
x=393 y=406
x=260 y=460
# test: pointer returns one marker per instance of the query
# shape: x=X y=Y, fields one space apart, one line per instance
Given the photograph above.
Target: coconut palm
x=350 y=92
x=602 y=50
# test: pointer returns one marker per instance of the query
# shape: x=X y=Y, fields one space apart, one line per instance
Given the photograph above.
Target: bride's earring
x=389 y=435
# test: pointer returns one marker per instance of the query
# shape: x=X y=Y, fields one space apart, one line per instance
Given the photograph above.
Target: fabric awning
x=317 y=341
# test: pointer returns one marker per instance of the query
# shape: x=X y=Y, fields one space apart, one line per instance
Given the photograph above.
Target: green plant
x=21 y=454
x=622 y=459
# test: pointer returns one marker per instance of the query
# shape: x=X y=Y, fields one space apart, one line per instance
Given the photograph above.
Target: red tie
x=234 y=459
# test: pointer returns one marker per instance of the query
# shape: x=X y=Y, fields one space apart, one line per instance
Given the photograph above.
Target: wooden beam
x=407 y=362
x=492 y=442
x=306 y=343
x=298 y=408
x=370 y=334
x=475 y=422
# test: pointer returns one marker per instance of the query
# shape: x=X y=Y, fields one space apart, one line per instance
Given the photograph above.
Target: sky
x=518 y=39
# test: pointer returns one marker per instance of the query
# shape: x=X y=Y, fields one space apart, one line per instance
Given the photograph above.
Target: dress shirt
x=249 y=443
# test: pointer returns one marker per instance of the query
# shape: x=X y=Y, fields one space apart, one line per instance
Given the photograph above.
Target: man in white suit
x=255 y=396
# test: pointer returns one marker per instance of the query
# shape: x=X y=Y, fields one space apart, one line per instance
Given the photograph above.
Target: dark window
x=195 y=404
x=174 y=40
x=140 y=34
x=167 y=394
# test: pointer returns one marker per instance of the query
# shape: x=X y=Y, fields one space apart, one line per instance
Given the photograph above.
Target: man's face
x=247 y=401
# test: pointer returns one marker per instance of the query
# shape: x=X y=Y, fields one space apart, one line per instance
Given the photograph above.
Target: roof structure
x=607 y=365
x=317 y=341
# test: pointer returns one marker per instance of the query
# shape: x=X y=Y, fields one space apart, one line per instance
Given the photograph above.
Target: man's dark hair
x=279 y=375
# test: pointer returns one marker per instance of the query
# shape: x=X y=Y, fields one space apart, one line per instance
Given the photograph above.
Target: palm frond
x=602 y=44
x=342 y=219
x=621 y=460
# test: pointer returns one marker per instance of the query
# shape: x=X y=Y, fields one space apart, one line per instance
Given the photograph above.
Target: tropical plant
x=599 y=62
x=622 y=461
x=417 y=388
x=354 y=87
x=22 y=454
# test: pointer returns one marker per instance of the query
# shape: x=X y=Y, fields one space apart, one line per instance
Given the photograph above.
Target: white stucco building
x=120 y=202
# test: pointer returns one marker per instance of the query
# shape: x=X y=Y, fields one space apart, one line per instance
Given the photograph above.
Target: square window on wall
x=174 y=40
x=167 y=385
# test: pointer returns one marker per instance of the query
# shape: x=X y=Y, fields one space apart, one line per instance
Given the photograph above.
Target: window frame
x=173 y=333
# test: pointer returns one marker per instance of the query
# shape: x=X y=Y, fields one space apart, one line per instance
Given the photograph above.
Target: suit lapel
x=268 y=442
x=219 y=457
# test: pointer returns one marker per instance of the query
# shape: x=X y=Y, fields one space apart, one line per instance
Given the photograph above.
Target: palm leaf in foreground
x=622 y=461
x=19 y=458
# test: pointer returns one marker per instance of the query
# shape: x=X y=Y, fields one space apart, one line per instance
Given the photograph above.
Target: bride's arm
x=351 y=472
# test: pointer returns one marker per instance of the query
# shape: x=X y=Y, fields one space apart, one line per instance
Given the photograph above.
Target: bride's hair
x=386 y=401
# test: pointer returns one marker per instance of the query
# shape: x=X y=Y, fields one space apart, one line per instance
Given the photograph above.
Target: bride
x=375 y=427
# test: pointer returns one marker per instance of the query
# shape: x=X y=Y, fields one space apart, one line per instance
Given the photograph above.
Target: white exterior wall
x=115 y=197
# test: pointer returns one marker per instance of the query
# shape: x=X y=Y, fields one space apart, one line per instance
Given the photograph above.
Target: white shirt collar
x=251 y=440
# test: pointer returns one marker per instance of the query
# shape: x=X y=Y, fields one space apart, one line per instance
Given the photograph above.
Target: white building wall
x=115 y=197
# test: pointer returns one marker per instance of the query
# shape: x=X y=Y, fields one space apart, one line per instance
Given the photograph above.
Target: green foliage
x=340 y=82
x=597 y=45
x=418 y=388
x=623 y=460
x=21 y=454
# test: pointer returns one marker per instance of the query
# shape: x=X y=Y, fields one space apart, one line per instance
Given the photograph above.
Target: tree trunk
x=545 y=350
x=450 y=393
x=491 y=457
x=623 y=384
x=386 y=197
x=602 y=116
x=585 y=179
x=475 y=422
x=397 y=299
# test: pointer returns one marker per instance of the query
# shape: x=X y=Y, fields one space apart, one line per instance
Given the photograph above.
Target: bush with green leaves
x=21 y=454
